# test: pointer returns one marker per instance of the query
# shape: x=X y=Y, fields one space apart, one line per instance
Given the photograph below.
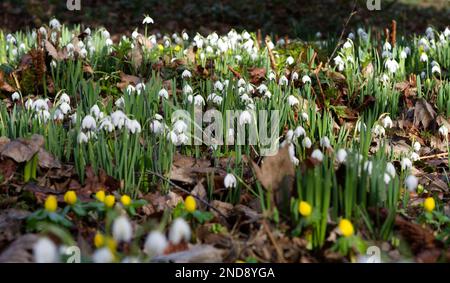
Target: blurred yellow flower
x=111 y=244
x=125 y=200
x=190 y=204
x=99 y=240
x=177 y=48
x=160 y=47
x=110 y=200
x=51 y=203
x=346 y=227
x=429 y=204
x=304 y=208
x=70 y=197
x=100 y=195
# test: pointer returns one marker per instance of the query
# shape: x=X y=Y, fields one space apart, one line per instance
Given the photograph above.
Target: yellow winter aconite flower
x=346 y=227
x=70 y=197
x=429 y=204
x=100 y=195
x=110 y=200
x=51 y=203
x=125 y=200
x=304 y=208
x=190 y=204
x=160 y=47
x=111 y=244
x=99 y=240
x=177 y=48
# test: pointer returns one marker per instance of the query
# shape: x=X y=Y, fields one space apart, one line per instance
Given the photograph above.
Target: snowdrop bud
x=179 y=231
x=443 y=130
x=406 y=163
x=306 y=142
x=341 y=155
x=229 y=181
x=109 y=42
x=411 y=183
x=387 y=122
x=88 y=123
x=155 y=244
x=185 y=36
x=122 y=230
x=317 y=154
x=45 y=251
x=103 y=255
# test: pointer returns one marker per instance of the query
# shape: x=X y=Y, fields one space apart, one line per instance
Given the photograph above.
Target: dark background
x=299 y=18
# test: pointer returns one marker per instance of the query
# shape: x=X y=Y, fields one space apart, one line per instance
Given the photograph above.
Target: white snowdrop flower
x=299 y=131
x=43 y=115
x=292 y=100
x=292 y=156
x=163 y=93
x=179 y=231
x=283 y=81
x=190 y=98
x=238 y=58
x=109 y=42
x=155 y=244
x=290 y=60
x=156 y=127
x=217 y=100
x=73 y=118
x=270 y=45
x=348 y=44
x=289 y=135
x=120 y=102
x=88 y=123
x=103 y=255
x=122 y=231
x=55 y=24
x=403 y=55
x=318 y=34
x=140 y=87
x=133 y=126
x=305 y=116
x=411 y=183
x=147 y=20
x=64 y=98
x=245 y=118
x=268 y=94
x=387 y=178
x=118 y=119
x=185 y=36
x=241 y=82
x=70 y=47
x=384 y=79
x=262 y=88
x=218 y=86
x=230 y=181
x=130 y=89
x=392 y=65
x=40 y=104
x=378 y=130
x=45 y=251
x=341 y=155
x=43 y=31
x=351 y=36
x=15 y=96
x=339 y=63
x=22 y=47
x=95 y=111
x=187 y=89
x=87 y=31
x=416 y=146
x=172 y=137
x=10 y=38
x=294 y=76
x=186 y=74
x=390 y=169
x=414 y=156
x=436 y=69
x=82 y=138
x=306 y=79
x=158 y=117
x=424 y=57
x=368 y=165
x=182 y=139
x=317 y=154
x=387 y=46
x=58 y=115
x=387 y=122
x=325 y=142
x=306 y=142
x=406 y=163
x=443 y=131
x=272 y=76
x=107 y=125
x=180 y=126
x=199 y=100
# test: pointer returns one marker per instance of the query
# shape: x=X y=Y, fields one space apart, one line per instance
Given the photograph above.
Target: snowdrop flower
x=139 y=88
x=118 y=119
x=262 y=88
x=283 y=81
x=122 y=231
x=306 y=142
x=436 y=69
x=387 y=46
x=187 y=89
x=424 y=57
x=95 y=111
x=411 y=183
x=341 y=155
x=180 y=126
x=133 y=126
x=368 y=165
x=387 y=122
x=378 y=131
x=360 y=126
x=414 y=156
x=45 y=251
x=155 y=244
x=82 y=138
x=103 y=255
x=325 y=142
x=272 y=76
x=443 y=130
x=403 y=55
x=147 y=20
x=317 y=154
x=290 y=60
x=390 y=169
x=387 y=178
x=406 y=163
x=179 y=231
x=392 y=65
x=64 y=98
x=416 y=146
x=40 y=104
x=120 y=102
x=289 y=135
x=305 y=116
x=218 y=86
x=230 y=181
x=245 y=118
x=107 y=125
x=385 y=79
x=109 y=42
x=299 y=131
x=199 y=100
x=306 y=79
x=186 y=74
x=268 y=94
x=348 y=44
x=58 y=115
x=339 y=63
x=292 y=156
x=185 y=36
x=292 y=100
x=294 y=76
x=15 y=96
x=156 y=127
x=172 y=137
x=163 y=93
x=88 y=123
x=43 y=116
x=43 y=31
x=55 y=24
x=182 y=139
